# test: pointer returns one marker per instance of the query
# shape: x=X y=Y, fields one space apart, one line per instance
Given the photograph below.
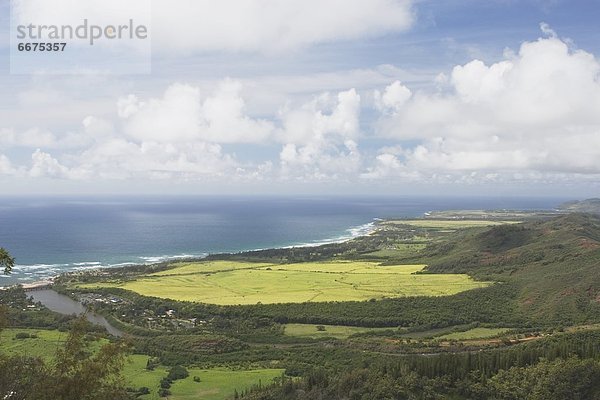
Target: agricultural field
x=235 y=282
x=318 y=331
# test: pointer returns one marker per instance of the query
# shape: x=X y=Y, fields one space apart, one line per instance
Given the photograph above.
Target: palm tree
x=6 y=261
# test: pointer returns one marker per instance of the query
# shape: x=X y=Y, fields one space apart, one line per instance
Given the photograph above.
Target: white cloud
x=271 y=25
x=187 y=26
x=536 y=111
x=30 y=138
x=545 y=28
x=173 y=118
x=120 y=159
x=6 y=167
x=182 y=115
x=46 y=166
x=393 y=97
x=320 y=138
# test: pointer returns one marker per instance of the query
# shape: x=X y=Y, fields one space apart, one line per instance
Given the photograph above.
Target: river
x=65 y=305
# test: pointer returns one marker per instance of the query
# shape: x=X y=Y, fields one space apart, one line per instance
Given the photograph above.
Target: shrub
x=22 y=335
x=165 y=383
x=177 y=372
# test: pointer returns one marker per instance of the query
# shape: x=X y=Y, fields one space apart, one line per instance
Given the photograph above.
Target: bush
x=152 y=363
x=143 y=390
x=196 y=379
x=178 y=372
x=22 y=335
x=165 y=383
x=164 y=392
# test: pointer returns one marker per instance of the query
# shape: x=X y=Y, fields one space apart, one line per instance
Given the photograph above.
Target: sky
x=365 y=97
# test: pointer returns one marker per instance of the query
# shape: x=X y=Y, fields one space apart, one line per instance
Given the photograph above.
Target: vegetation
x=7 y=262
x=75 y=372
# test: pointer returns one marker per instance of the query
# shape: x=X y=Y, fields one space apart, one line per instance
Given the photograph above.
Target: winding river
x=65 y=305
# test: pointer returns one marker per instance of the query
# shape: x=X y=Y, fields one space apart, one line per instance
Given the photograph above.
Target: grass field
x=220 y=383
x=137 y=376
x=215 y=384
x=475 y=333
x=45 y=345
x=232 y=282
x=336 y=331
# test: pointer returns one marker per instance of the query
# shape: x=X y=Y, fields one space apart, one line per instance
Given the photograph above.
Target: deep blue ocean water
x=51 y=235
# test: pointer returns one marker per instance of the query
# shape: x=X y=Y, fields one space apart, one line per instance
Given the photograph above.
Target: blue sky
x=330 y=96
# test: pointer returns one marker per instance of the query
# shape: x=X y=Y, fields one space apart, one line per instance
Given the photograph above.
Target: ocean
x=48 y=236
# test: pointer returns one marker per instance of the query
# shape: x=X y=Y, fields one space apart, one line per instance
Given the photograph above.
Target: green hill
x=554 y=263
x=585 y=206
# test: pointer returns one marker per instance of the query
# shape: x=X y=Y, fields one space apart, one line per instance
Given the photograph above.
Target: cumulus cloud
x=6 y=167
x=533 y=115
x=45 y=166
x=535 y=111
x=118 y=158
x=320 y=137
x=182 y=115
x=393 y=97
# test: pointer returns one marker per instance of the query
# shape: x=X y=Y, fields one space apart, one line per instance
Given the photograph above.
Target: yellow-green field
x=336 y=331
x=475 y=333
x=233 y=282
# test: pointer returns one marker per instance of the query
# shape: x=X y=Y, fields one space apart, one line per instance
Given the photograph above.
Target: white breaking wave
x=352 y=233
x=157 y=259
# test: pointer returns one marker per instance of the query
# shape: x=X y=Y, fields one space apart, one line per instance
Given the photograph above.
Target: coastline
x=47 y=281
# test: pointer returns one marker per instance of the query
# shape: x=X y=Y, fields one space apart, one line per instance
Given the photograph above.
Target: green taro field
x=235 y=282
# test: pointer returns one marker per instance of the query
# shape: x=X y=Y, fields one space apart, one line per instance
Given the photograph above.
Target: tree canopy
x=6 y=260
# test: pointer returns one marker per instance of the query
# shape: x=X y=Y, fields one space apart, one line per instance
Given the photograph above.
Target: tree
x=6 y=260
